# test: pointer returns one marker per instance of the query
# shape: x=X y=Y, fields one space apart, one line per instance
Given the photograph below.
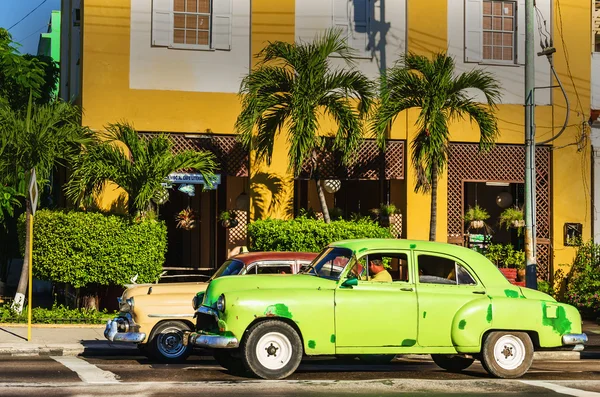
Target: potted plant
x=509 y=261
x=186 y=219
x=512 y=217
x=476 y=216
x=384 y=213
x=228 y=218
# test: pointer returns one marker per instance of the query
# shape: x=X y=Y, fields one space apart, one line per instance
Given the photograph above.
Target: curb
x=102 y=349
x=35 y=325
x=76 y=349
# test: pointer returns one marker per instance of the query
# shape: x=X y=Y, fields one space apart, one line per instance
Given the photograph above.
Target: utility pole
x=531 y=268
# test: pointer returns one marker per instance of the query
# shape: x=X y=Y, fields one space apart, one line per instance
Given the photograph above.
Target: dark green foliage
x=83 y=248
x=17 y=95
x=583 y=281
x=136 y=165
x=58 y=314
x=308 y=235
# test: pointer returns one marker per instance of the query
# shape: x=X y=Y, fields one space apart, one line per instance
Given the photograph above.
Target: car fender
x=470 y=323
x=312 y=314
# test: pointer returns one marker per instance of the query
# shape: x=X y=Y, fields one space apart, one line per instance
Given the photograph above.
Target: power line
x=28 y=14
x=28 y=36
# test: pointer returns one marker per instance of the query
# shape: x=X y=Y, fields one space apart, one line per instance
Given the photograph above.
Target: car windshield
x=229 y=268
x=330 y=263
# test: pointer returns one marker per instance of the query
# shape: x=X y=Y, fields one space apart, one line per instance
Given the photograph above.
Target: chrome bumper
x=111 y=332
x=213 y=341
x=574 y=339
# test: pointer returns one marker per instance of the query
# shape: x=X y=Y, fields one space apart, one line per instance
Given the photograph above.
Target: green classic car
x=443 y=300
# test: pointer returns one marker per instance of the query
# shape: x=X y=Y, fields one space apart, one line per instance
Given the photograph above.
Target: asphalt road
x=137 y=376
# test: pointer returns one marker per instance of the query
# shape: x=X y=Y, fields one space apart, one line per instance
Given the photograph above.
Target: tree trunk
x=322 y=201
x=433 y=220
x=19 y=300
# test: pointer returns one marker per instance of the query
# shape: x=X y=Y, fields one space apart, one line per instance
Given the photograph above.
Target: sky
x=27 y=32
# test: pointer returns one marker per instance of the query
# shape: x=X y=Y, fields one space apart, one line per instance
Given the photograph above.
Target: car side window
x=274 y=269
x=439 y=270
x=394 y=267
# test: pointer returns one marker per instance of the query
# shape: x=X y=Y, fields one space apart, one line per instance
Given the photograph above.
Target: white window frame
x=492 y=31
x=192 y=46
x=220 y=29
x=473 y=34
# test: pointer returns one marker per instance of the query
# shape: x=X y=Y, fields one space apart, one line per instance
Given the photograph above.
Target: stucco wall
x=162 y=68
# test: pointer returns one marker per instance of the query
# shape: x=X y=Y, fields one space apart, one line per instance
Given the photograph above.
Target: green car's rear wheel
x=272 y=349
x=507 y=354
x=452 y=363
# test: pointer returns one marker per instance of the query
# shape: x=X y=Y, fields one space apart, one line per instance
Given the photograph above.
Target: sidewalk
x=88 y=340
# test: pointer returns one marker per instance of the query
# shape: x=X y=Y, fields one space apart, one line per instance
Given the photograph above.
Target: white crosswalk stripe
x=87 y=372
x=569 y=391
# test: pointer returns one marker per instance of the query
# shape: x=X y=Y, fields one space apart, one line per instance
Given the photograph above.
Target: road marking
x=561 y=389
x=87 y=372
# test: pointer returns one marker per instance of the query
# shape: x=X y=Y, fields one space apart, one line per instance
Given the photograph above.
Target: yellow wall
x=107 y=98
x=106 y=95
x=272 y=20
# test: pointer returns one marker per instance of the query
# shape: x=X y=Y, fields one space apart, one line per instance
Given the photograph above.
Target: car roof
x=250 y=257
x=371 y=244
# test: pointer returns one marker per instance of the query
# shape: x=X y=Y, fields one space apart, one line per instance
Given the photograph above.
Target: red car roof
x=250 y=257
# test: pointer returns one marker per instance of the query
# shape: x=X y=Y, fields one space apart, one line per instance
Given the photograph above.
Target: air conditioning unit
x=76 y=17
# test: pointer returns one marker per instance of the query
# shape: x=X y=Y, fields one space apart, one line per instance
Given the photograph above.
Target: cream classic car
x=155 y=316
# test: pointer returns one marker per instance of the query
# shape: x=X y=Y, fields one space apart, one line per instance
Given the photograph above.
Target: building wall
x=169 y=69
x=121 y=81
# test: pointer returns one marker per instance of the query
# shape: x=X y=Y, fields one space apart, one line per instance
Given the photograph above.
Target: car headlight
x=221 y=303
x=126 y=305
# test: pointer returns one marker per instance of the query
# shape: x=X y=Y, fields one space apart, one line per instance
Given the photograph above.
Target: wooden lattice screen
x=236 y=236
x=367 y=165
x=504 y=163
x=231 y=157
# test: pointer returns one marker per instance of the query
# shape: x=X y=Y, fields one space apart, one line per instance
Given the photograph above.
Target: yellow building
x=175 y=66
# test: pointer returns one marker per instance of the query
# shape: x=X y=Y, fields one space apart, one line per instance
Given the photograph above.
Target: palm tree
x=40 y=138
x=290 y=88
x=138 y=166
x=433 y=86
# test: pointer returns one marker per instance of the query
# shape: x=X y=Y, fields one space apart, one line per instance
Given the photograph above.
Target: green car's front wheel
x=272 y=349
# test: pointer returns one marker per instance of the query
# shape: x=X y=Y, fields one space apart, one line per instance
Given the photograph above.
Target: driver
x=378 y=272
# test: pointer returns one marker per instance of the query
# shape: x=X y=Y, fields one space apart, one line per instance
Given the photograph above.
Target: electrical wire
x=28 y=14
x=566 y=54
x=29 y=35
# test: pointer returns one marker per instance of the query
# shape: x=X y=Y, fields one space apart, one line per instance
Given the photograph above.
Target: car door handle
x=407 y=289
x=479 y=292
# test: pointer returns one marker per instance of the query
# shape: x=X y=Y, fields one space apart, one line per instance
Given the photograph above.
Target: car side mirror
x=351 y=282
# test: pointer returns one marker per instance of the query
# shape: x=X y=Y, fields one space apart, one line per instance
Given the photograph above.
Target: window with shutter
x=492 y=31
x=192 y=24
x=352 y=18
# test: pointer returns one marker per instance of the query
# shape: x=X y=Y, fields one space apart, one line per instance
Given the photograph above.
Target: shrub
x=58 y=314
x=308 y=235
x=86 y=248
x=583 y=281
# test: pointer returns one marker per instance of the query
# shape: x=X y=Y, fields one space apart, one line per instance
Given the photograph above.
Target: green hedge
x=85 y=248
x=58 y=314
x=308 y=235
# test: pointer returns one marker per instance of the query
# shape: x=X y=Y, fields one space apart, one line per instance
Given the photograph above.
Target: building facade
x=175 y=66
